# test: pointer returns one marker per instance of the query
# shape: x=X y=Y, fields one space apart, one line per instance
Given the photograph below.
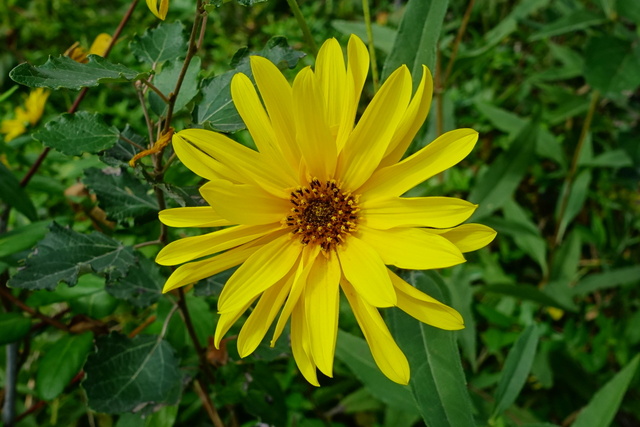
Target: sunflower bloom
x=158 y=8
x=27 y=116
x=318 y=208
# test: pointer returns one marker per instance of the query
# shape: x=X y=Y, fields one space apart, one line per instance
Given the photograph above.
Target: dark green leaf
x=125 y=374
x=165 y=417
x=277 y=50
x=123 y=151
x=142 y=286
x=383 y=37
x=516 y=369
x=355 y=353
x=14 y=195
x=156 y=45
x=611 y=159
x=120 y=194
x=14 y=326
x=575 y=201
x=64 y=72
x=500 y=181
x=604 y=405
x=527 y=293
x=576 y=21
x=61 y=363
x=629 y=9
x=437 y=381
x=75 y=134
x=607 y=280
x=213 y=285
x=165 y=81
x=612 y=65
x=530 y=242
x=64 y=254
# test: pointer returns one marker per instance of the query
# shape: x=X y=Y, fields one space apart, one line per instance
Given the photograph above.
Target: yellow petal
x=313 y=134
x=436 y=212
x=202 y=163
x=100 y=44
x=261 y=270
x=446 y=151
x=160 y=11
x=322 y=298
x=262 y=316
x=332 y=79
x=386 y=353
x=412 y=248
x=411 y=121
x=190 y=248
x=278 y=99
x=468 y=237
x=200 y=216
x=369 y=140
x=198 y=270
x=226 y=321
x=244 y=203
x=300 y=346
x=363 y=267
x=425 y=308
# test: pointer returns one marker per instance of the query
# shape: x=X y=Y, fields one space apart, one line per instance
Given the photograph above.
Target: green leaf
x=120 y=194
x=610 y=159
x=383 y=37
x=530 y=242
x=89 y=297
x=612 y=65
x=61 y=363
x=125 y=374
x=22 y=238
x=355 y=353
x=497 y=185
x=421 y=23
x=64 y=72
x=75 y=134
x=575 y=201
x=165 y=417
x=276 y=50
x=64 y=254
x=123 y=151
x=629 y=9
x=604 y=405
x=165 y=81
x=578 y=20
x=142 y=286
x=437 y=380
x=14 y=195
x=516 y=369
x=526 y=293
x=14 y=326
x=607 y=280
x=156 y=45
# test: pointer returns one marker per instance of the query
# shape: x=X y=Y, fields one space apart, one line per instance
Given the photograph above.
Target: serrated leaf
x=75 y=134
x=165 y=81
x=612 y=65
x=142 y=286
x=166 y=41
x=14 y=326
x=437 y=381
x=64 y=254
x=14 y=195
x=64 y=72
x=60 y=363
x=603 y=406
x=125 y=374
x=120 y=194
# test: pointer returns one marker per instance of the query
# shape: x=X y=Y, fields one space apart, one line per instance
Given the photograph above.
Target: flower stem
x=372 y=49
x=293 y=4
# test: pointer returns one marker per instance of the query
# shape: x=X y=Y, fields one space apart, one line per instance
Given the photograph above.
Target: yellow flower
x=318 y=208
x=159 y=10
x=29 y=115
x=98 y=47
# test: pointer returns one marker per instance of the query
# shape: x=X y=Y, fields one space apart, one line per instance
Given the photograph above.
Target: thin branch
x=150 y=243
x=208 y=405
x=147 y=118
x=293 y=4
x=6 y=294
x=130 y=142
x=155 y=89
x=456 y=43
x=141 y=327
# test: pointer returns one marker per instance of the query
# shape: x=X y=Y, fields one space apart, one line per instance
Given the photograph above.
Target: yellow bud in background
x=159 y=10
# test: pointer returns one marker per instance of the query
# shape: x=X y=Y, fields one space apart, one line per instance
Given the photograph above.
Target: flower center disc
x=323 y=214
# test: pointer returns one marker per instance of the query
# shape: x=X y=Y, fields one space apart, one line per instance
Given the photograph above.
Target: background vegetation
x=551 y=307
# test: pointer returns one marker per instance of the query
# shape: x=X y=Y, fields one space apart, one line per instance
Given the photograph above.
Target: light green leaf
x=526 y=293
x=64 y=254
x=437 y=380
x=22 y=238
x=578 y=20
x=603 y=406
x=165 y=81
x=383 y=37
x=530 y=242
x=14 y=195
x=156 y=45
x=611 y=159
x=14 y=326
x=120 y=194
x=612 y=65
x=142 y=286
x=607 y=280
x=61 y=363
x=75 y=134
x=64 y=72
x=126 y=374
x=516 y=369
x=354 y=352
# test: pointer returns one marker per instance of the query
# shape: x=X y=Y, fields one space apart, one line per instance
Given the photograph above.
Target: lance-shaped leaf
x=120 y=193
x=64 y=72
x=75 y=134
x=142 y=286
x=160 y=44
x=126 y=375
x=64 y=254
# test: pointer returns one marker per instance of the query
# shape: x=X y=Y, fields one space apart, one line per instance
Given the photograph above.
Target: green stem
x=372 y=49
x=293 y=4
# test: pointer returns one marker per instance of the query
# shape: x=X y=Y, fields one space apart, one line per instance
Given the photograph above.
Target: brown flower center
x=323 y=214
